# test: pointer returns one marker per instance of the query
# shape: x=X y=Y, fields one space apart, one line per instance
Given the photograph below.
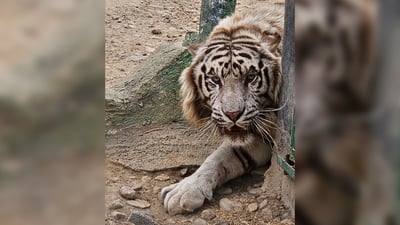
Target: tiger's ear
x=272 y=40
x=194 y=48
x=193 y=109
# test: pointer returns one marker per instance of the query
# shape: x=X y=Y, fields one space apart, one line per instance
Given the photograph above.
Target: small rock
x=156 y=189
x=267 y=214
x=263 y=203
x=183 y=172
x=257 y=185
x=162 y=177
x=255 y=191
x=139 y=203
x=116 y=204
x=118 y=215
x=127 y=192
x=229 y=205
x=207 y=214
x=149 y=49
x=252 y=207
x=219 y=221
x=140 y=217
x=146 y=179
x=137 y=186
x=156 y=31
x=200 y=222
x=224 y=191
x=261 y=198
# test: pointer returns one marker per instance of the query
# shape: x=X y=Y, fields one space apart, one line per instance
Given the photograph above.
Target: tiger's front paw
x=186 y=196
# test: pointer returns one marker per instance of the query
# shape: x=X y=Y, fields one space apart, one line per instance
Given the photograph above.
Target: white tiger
x=231 y=86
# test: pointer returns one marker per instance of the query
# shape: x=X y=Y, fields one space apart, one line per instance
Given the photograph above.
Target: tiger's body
x=231 y=88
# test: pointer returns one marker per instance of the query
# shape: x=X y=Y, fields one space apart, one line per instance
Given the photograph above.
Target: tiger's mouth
x=234 y=131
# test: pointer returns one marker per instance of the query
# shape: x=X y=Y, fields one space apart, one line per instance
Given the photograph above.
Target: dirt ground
x=141 y=169
x=134 y=29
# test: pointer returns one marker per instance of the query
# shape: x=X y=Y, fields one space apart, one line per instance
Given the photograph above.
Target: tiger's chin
x=236 y=134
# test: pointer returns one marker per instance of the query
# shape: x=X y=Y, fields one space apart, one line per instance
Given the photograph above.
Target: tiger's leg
x=226 y=163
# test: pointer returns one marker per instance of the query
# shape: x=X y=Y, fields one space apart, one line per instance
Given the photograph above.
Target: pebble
x=183 y=172
x=162 y=177
x=156 y=31
x=218 y=221
x=207 y=214
x=229 y=205
x=224 y=191
x=139 y=203
x=252 y=207
x=140 y=218
x=255 y=191
x=257 y=185
x=116 y=204
x=267 y=214
x=146 y=179
x=137 y=186
x=118 y=215
x=127 y=192
x=149 y=49
x=200 y=222
x=263 y=203
x=156 y=189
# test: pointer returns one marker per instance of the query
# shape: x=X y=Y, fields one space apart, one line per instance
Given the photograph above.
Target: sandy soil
x=134 y=29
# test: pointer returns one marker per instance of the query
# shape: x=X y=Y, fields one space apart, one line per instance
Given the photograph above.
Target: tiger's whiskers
x=262 y=129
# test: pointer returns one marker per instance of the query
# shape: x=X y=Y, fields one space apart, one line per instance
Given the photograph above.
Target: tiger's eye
x=215 y=79
x=251 y=77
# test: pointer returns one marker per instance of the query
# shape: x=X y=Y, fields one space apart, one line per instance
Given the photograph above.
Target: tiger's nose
x=234 y=116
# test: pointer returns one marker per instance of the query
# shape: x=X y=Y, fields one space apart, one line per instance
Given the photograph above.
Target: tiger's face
x=234 y=85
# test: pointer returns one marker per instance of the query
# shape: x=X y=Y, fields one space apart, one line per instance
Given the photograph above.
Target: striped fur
x=236 y=69
x=231 y=86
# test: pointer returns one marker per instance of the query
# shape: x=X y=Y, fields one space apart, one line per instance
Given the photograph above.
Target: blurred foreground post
x=282 y=161
x=211 y=12
x=387 y=128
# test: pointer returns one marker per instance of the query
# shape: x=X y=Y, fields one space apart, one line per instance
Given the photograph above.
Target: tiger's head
x=233 y=82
